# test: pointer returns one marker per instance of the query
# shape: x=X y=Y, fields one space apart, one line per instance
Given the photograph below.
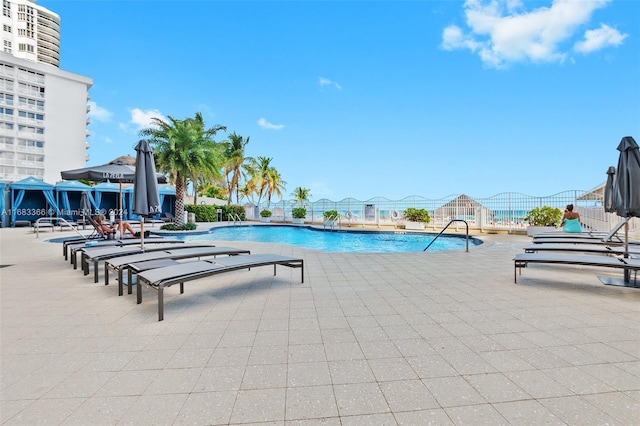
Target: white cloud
x=326 y=82
x=98 y=113
x=503 y=32
x=599 y=39
x=269 y=126
x=142 y=118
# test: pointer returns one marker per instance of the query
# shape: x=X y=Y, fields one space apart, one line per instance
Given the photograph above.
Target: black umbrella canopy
x=146 y=200
x=114 y=172
x=609 y=197
x=627 y=180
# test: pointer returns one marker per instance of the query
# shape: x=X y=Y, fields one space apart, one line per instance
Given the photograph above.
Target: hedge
x=209 y=213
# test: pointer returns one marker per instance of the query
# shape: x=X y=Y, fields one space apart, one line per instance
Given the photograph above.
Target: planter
x=298 y=221
x=414 y=226
x=265 y=219
x=532 y=230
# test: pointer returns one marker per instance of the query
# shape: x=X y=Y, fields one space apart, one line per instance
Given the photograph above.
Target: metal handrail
x=335 y=220
x=58 y=221
x=235 y=217
x=445 y=228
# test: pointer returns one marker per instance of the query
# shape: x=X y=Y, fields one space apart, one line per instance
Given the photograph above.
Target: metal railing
x=445 y=228
x=235 y=218
x=502 y=212
x=52 y=222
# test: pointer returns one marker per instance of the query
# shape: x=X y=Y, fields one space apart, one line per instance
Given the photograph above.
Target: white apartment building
x=43 y=110
x=30 y=31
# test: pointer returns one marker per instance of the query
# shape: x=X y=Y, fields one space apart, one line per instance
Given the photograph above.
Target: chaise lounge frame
x=161 y=278
x=136 y=263
x=523 y=259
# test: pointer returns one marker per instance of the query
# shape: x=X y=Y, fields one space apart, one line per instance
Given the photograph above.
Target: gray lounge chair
x=523 y=259
x=98 y=254
x=582 y=248
x=610 y=237
x=137 y=263
x=158 y=279
x=78 y=248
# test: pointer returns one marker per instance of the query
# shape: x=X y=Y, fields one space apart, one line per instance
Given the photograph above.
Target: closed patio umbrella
x=626 y=191
x=146 y=199
x=627 y=179
x=609 y=206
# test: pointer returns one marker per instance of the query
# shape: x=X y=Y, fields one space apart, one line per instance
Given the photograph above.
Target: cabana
x=68 y=194
x=167 y=201
x=4 y=202
x=105 y=195
x=31 y=199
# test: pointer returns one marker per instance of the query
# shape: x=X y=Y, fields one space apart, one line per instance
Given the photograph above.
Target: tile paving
x=381 y=339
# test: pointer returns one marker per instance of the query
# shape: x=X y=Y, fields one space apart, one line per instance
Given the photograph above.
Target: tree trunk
x=180 y=219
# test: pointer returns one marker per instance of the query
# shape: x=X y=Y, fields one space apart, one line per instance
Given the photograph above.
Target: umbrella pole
x=627 y=272
x=142 y=233
x=120 y=203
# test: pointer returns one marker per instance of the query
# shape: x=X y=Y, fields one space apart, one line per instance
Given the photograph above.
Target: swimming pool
x=335 y=241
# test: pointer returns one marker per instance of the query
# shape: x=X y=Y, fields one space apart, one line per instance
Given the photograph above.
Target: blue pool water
x=335 y=241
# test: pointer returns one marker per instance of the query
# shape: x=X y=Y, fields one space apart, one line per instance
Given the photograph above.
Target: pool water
x=335 y=241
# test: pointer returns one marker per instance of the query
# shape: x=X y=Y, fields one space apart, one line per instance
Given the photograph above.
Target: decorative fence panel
x=504 y=211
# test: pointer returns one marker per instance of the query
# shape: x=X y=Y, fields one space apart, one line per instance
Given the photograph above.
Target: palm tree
x=258 y=171
x=235 y=159
x=301 y=195
x=275 y=185
x=184 y=149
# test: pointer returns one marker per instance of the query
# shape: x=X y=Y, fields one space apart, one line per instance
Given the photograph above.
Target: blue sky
x=364 y=99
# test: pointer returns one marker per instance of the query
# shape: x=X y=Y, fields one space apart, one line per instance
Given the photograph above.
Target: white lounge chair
x=158 y=279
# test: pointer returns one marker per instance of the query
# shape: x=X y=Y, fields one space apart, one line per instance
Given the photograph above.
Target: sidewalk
x=408 y=339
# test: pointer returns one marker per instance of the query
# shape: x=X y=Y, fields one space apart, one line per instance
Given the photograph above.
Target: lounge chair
x=137 y=263
x=158 y=279
x=582 y=248
x=79 y=247
x=523 y=259
x=98 y=254
x=610 y=237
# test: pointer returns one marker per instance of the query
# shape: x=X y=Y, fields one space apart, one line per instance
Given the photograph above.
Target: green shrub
x=299 y=213
x=544 y=216
x=417 y=215
x=330 y=215
x=265 y=213
x=174 y=227
x=209 y=213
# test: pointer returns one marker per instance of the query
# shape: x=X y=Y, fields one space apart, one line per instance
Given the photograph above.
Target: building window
x=30 y=129
x=6 y=98
x=24 y=47
x=6 y=126
x=6 y=28
x=6 y=8
x=6 y=83
x=6 y=111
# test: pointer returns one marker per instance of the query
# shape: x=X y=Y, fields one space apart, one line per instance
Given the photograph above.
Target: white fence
x=505 y=211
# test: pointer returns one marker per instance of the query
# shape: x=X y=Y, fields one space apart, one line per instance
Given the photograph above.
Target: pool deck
x=381 y=339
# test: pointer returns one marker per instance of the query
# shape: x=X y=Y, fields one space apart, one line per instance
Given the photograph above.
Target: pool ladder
x=331 y=222
x=445 y=228
x=236 y=218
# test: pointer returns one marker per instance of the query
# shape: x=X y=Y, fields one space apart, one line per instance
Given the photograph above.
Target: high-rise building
x=30 y=31
x=43 y=109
